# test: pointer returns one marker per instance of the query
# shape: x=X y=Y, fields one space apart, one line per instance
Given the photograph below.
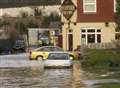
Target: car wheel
x=40 y=58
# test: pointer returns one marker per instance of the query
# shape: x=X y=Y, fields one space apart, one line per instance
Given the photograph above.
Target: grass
x=109 y=86
x=101 y=59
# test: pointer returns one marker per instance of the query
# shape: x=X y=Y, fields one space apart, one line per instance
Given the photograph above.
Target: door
x=60 y=41
x=70 y=42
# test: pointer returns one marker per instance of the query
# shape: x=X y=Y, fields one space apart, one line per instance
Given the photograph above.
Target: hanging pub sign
x=67 y=9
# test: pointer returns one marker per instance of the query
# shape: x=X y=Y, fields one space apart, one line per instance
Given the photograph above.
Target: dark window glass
x=117 y=36
x=91 y=38
x=83 y=35
x=91 y=30
x=117 y=30
x=98 y=30
x=49 y=49
x=83 y=30
x=58 y=56
x=56 y=49
x=44 y=49
x=98 y=38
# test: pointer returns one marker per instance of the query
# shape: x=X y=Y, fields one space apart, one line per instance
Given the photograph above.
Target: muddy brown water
x=34 y=77
x=46 y=78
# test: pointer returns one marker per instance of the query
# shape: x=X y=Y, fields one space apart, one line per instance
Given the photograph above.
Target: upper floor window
x=89 y=6
x=115 y=5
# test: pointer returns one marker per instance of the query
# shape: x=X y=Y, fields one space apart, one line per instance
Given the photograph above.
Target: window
x=117 y=36
x=83 y=30
x=83 y=36
x=91 y=30
x=58 y=56
x=90 y=35
x=89 y=6
x=98 y=30
x=91 y=38
x=98 y=38
x=114 y=5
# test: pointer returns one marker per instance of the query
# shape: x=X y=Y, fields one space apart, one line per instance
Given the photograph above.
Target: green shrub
x=101 y=59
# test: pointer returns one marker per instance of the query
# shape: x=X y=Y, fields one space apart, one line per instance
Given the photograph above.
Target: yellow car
x=43 y=52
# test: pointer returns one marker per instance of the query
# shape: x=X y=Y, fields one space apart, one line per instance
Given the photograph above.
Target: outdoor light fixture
x=107 y=24
x=75 y=23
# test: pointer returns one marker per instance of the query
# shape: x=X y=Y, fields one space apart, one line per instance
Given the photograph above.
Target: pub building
x=91 y=24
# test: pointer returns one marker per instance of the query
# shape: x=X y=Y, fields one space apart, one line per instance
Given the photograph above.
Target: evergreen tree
x=117 y=15
x=117 y=20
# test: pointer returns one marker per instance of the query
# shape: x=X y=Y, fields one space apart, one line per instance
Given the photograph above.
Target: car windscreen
x=58 y=56
x=49 y=49
x=43 y=49
x=56 y=49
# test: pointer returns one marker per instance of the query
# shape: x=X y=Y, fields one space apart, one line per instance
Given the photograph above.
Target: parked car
x=58 y=59
x=44 y=51
x=19 y=45
x=8 y=46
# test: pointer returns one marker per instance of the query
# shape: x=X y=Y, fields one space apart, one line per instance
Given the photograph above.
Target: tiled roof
x=19 y=3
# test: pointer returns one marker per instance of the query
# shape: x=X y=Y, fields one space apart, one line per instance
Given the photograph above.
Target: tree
x=51 y=18
x=21 y=27
x=4 y=22
x=32 y=24
x=117 y=15
x=117 y=20
x=37 y=12
x=13 y=34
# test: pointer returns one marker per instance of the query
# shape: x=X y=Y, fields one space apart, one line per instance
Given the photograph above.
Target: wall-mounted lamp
x=106 y=24
x=75 y=23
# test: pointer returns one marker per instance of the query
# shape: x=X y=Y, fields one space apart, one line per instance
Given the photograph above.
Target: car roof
x=59 y=52
x=46 y=46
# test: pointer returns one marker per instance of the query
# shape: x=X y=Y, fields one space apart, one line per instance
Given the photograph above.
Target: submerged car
x=58 y=59
x=43 y=52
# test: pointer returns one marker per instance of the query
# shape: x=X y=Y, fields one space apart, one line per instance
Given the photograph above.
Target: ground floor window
x=91 y=38
x=117 y=36
x=89 y=35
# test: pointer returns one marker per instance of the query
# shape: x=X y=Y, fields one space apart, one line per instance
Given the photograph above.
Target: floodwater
x=36 y=77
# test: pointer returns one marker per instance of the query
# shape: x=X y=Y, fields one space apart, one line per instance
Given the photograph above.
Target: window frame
x=84 y=4
x=86 y=33
x=114 y=5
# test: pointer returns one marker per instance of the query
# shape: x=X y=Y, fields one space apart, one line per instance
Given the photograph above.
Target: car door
x=43 y=52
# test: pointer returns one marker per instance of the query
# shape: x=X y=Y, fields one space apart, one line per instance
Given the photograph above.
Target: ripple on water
x=48 y=78
x=34 y=78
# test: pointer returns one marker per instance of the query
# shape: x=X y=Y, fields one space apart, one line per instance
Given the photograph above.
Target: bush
x=101 y=59
x=117 y=44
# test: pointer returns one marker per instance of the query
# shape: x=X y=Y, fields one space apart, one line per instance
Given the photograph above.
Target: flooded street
x=19 y=72
x=47 y=78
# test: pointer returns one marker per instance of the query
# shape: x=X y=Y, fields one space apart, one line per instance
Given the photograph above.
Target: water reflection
x=36 y=78
x=77 y=76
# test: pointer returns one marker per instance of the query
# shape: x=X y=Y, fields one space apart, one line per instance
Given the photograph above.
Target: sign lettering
x=67 y=9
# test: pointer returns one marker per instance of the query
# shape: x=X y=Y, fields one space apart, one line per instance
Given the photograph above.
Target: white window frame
x=114 y=5
x=86 y=33
x=94 y=11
